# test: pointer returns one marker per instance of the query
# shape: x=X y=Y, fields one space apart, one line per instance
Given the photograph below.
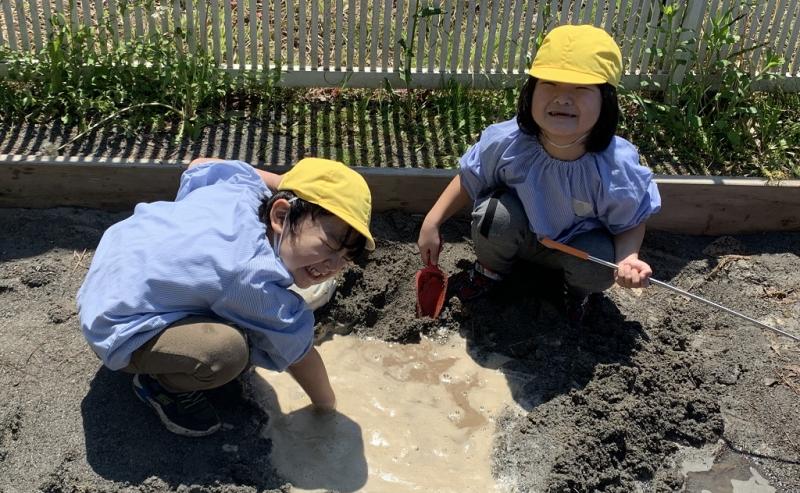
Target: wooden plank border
x=691 y=205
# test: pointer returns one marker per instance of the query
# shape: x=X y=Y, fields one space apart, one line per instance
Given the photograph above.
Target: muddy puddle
x=410 y=417
x=607 y=407
x=727 y=474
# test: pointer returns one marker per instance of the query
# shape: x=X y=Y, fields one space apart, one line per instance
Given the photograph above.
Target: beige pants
x=195 y=353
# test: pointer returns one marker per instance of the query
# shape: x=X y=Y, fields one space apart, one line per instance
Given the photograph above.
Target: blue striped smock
x=205 y=254
x=608 y=189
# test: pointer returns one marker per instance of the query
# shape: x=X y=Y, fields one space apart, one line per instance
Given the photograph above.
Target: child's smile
x=565 y=112
x=314 y=272
x=319 y=272
x=314 y=252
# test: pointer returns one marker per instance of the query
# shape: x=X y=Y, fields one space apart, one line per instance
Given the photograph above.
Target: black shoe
x=575 y=306
x=185 y=413
x=471 y=284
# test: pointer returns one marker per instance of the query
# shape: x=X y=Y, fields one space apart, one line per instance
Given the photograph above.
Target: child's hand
x=633 y=273
x=310 y=373
x=429 y=243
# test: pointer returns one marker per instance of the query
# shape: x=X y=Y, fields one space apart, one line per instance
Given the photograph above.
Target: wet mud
x=619 y=404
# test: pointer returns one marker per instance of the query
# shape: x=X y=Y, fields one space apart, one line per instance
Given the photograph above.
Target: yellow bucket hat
x=334 y=187
x=578 y=55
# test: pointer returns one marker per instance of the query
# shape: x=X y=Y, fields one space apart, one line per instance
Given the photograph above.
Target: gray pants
x=501 y=236
x=195 y=353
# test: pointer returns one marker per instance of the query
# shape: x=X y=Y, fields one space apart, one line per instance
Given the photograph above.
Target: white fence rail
x=359 y=43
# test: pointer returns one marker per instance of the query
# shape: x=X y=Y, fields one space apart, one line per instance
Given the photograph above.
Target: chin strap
x=276 y=244
x=564 y=146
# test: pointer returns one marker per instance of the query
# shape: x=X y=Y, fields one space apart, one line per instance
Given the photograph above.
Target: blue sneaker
x=185 y=413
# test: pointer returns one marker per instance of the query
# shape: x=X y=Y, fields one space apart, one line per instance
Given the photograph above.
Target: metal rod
x=581 y=254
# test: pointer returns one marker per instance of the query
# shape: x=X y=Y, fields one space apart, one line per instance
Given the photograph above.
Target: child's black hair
x=354 y=242
x=601 y=134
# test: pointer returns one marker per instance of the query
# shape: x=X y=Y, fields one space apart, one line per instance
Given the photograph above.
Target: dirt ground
x=614 y=406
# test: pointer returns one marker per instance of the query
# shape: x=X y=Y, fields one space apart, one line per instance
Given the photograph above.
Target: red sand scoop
x=431 y=289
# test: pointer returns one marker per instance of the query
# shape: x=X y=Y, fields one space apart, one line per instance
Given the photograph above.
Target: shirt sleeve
x=210 y=173
x=628 y=194
x=470 y=172
x=481 y=164
x=279 y=324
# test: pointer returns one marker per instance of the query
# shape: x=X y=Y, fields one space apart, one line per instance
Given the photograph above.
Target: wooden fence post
x=691 y=26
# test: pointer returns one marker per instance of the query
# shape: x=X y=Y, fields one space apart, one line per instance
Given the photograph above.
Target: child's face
x=565 y=112
x=313 y=253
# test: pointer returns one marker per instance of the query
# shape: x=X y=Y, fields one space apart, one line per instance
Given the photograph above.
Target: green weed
x=704 y=119
x=72 y=81
x=709 y=119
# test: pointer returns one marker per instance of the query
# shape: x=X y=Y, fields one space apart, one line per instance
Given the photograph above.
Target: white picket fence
x=358 y=43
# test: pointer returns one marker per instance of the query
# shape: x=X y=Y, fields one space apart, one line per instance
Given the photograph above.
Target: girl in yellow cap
x=187 y=294
x=555 y=171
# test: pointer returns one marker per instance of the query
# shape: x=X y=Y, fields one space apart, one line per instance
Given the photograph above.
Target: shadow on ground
x=375 y=135
x=606 y=403
x=126 y=443
x=317 y=452
x=525 y=320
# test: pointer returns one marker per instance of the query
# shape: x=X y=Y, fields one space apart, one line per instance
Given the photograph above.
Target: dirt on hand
x=616 y=405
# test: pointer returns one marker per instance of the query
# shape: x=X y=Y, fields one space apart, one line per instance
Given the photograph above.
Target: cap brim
x=565 y=76
x=364 y=232
x=355 y=224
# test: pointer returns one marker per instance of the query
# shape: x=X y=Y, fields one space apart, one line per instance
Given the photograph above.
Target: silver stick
x=581 y=254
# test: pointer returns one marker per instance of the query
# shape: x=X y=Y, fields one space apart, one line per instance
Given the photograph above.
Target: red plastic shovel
x=431 y=289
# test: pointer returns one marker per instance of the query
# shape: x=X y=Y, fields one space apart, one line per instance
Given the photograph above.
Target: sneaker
x=472 y=284
x=184 y=413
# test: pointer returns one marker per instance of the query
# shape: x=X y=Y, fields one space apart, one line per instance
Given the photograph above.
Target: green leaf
x=430 y=11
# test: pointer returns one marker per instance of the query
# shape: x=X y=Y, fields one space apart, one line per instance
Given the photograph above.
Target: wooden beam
x=691 y=205
x=724 y=205
x=84 y=182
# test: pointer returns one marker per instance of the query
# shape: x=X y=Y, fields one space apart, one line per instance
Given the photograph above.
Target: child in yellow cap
x=555 y=171
x=187 y=294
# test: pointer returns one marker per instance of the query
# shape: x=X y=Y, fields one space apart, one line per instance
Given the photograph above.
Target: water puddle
x=731 y=474
x=416 y=417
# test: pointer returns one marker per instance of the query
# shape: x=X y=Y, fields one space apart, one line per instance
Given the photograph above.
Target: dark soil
x=611 y=406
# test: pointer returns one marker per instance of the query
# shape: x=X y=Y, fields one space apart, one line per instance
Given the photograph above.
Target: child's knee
x=225 y=359
x=234 y=350
x=500 y=217
x=588 y=277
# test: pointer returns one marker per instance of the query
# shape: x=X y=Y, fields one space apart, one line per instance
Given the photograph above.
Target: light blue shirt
x=608 y=189
x=206 y=254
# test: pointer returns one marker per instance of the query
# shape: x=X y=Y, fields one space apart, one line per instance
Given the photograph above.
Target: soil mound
x=611 y=406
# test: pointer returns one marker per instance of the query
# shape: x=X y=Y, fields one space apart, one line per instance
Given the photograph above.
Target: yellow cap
x=334 y=187
x=578 y=55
